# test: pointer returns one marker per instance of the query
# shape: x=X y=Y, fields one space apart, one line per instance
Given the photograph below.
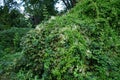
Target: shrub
x=50 y=49
x=10 y=39
x=81 y=45
x=7 y=65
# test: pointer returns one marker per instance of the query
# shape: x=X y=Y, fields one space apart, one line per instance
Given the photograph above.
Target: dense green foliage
x=37 y=9
x=9 y=47
x=87 y=57
x=11 y=18
x=83 y=44
x=10 y=38
x=50 y=50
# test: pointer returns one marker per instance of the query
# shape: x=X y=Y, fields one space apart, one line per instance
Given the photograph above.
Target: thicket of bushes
x=10 y=38
x=90 y=44
x=9 y=49
x=57 y=53
x=83 y=44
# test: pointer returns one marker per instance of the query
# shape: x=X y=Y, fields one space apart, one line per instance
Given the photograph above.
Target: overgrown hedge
x=58 y=52
x=83 y=44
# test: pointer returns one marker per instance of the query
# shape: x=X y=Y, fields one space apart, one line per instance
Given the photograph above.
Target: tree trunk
x=69 y=3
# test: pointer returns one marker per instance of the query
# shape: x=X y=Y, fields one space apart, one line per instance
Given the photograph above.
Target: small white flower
x=88 y=51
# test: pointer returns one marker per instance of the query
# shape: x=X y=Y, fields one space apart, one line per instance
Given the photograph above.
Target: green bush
x=83 y=44
x=47 y=50
x=10 y=39
x=7 y=65
x=9 y=44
